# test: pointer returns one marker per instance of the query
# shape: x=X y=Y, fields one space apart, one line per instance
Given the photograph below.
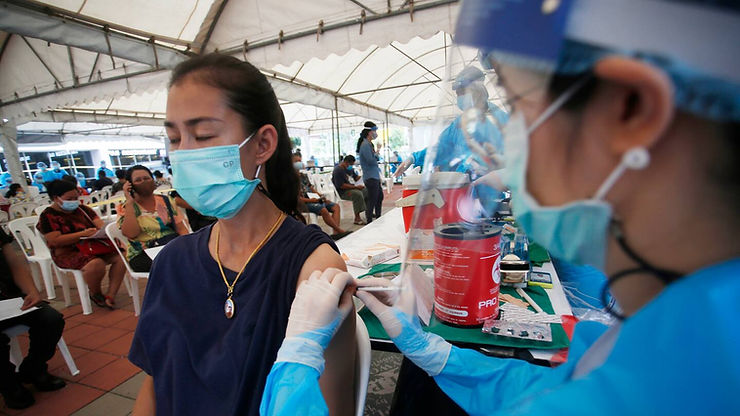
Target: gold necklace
x=229 y=306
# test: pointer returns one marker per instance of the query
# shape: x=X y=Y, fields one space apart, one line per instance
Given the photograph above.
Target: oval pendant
x=229 y=308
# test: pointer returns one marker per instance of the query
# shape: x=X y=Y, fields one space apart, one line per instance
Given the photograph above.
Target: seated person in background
x=81 y=179
x=16 y=193
x=102 y=181
x=355 y=193
x=160 y=180
x=146 y=219
x=38 y=181
x=64 y=224
x=72 y=179
x=45 y=328
x=328 y=210
x=121 y=180
x=195 y=218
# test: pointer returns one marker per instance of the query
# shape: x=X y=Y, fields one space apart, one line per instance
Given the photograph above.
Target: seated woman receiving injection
x=217 y=302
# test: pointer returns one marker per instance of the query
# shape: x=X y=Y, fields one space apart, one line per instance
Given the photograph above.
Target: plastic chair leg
x=65 y=286
x=84 y=297
x=127 y=284
x=35 y=272
x=135 y=295
x=46 y=273
x=67 y=357
x=16 y=357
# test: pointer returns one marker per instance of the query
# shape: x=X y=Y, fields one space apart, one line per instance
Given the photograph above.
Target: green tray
x=474 y=335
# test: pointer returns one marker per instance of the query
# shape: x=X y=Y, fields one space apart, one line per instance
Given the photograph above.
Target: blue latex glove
x=320 y=305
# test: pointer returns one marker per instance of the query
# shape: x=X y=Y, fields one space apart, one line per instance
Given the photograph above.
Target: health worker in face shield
x=622 y=152
x=459 y=150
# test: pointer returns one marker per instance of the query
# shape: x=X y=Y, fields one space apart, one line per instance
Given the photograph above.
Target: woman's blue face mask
x=211 y=179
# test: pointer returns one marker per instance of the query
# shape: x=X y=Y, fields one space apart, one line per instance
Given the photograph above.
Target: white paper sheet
x=152 y=252
x=100 y=234
x=11 y=308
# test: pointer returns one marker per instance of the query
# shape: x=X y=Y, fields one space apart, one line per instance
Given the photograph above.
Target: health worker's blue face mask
x=211 y=179
x=575 y=232
x=70 y=205
x=465 y=102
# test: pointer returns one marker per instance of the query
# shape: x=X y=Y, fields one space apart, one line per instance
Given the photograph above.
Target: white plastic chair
x=22 y=209
x=42 y=199
x=33 y=192
x=86 y=199
x=4 y=217
x=115 y=234
x=39 y=209
x=16 y=357
x=362 y=364
x=35 y=250
x=81 y=287
x=184 y=215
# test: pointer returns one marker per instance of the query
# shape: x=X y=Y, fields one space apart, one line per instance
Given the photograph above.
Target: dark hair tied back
x=248 y=92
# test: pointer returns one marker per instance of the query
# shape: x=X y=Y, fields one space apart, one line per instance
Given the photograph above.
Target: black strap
x=169 y=209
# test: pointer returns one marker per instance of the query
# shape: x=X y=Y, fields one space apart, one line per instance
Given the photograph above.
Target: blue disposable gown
x=676 y=355
x=6 y=179
x=39 y=185
x=49 y=175
x=453 y=153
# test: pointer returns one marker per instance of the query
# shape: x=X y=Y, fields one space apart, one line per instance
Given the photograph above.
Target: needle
x=379 y=289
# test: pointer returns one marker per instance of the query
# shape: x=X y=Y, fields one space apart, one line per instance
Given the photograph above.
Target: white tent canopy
x=94 y=60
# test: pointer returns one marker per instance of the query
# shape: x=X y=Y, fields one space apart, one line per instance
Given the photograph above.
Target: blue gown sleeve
x=419 y=157
x=293 y=389
x=500 y=115
x=488 y=386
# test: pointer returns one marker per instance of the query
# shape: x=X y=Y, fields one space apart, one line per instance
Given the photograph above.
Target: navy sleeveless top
x=201 y=362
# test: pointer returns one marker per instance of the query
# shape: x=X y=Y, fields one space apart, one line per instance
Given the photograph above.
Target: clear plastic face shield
x=465 y=251
x=456 y=209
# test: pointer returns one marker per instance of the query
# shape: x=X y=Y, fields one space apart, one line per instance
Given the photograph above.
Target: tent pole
x=9 y=141
x=333 y=151
x=387 y=146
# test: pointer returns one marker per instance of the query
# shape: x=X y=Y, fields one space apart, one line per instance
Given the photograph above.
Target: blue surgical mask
x=70 y=205
x=575 y=232
x=465 y=102
x=211 y=179
x=298 y=165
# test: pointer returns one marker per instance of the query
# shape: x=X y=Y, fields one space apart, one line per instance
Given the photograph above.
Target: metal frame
x=56 y=22
x=333 y=26
x=216 y=8
x=71 y=17
x=56 y=79
x=363 y=6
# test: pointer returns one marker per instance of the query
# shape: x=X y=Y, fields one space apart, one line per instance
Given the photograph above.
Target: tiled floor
x=99 y=344
x=108 y=383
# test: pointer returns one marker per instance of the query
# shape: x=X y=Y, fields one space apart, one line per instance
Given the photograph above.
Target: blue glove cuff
x=302 y=350
x=428 y=351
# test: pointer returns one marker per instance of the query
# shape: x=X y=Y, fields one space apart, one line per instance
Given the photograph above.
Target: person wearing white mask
x=65 y=224
x=622 y=153
x=217 y=301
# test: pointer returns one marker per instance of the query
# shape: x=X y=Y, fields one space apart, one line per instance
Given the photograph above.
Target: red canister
x=466 y=273
x=441 y=205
